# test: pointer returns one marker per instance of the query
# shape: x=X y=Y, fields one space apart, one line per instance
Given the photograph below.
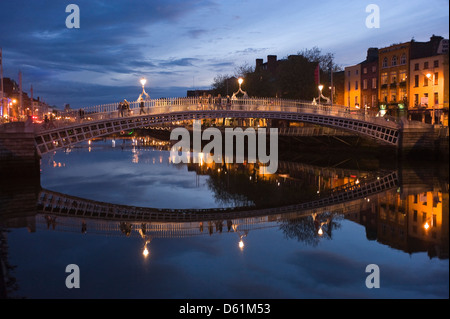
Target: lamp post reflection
x=241 y=236
x=147 y=240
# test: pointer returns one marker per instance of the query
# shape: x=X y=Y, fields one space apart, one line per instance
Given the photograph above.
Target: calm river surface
x=322 y=253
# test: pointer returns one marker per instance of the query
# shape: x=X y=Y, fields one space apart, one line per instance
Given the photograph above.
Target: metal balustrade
x=50 y=202
x=106 y=119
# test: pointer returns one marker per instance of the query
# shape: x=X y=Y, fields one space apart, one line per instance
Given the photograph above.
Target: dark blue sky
x=183 y=44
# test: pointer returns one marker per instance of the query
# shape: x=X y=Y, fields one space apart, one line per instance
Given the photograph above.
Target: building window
x=416 y=67
x=374 y=83
x=425 y=65
x=436 y=98
x=434 y=220
x=415 y=215
x=403 y=94
x=384 y=78
x=416 y=80
x=394 y=61
x=436 y=78
x=393 y=77
x=365 y=70
x=416 y=99
x=384 y=95
x=348 y=73
x=356 y=72
x=365 y=84
x=436 y=63
x=402 y=75
x=385 y=63
x=349 y=88
x=403 y=59
x=374 y=69
x=374 y=100
x=424 y=217
x=356 y=85
x=356 y=100
x=425 y=81
x=393 y=97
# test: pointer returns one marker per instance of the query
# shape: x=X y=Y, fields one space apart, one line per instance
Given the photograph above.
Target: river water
x=317 y=253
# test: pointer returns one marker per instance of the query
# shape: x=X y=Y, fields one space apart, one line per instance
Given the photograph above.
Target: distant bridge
x=106 y=119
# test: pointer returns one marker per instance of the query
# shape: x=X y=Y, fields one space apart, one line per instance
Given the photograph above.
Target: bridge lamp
x=240 y=80
x=143 y=81
x=320 y=91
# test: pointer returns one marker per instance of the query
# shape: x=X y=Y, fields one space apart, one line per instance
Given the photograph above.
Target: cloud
x=196 y=33
x=179 y=62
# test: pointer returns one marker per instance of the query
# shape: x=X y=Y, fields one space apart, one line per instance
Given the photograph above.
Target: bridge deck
x=104 y=120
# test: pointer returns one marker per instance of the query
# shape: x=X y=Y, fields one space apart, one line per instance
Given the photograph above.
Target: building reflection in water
x=411 y=221
x=409 y=218
x=417 y=223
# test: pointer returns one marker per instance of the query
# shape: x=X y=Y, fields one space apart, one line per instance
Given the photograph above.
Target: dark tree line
x=293 y=77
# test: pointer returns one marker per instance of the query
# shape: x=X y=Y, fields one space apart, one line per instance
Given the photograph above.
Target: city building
x=393 y=65
x=369 y=80
x=352 y=96
x=429 y=86
x=339 y=88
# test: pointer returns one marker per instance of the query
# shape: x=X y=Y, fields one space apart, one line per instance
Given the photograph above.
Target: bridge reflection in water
x=408 y=217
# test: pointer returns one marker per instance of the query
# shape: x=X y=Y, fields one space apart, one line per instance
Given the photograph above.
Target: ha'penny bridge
x=106 y=119
x=70 y=128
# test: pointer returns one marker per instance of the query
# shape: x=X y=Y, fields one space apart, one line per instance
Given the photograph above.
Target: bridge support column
x=18 y=155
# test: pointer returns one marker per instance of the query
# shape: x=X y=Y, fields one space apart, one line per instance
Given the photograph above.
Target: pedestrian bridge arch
x=104 y=120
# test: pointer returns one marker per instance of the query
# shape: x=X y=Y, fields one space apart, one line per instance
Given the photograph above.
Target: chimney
x=272 y=63
x=259 y=63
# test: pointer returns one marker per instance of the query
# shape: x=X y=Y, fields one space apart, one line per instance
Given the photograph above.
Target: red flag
x=317 y=75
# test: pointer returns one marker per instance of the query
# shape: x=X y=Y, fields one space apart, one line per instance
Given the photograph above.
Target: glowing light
x=143 y=81
x=321 y=87
x=240 y=80
x=241 y=244
x=145 y=252
x=426 y=226
x=320 y=232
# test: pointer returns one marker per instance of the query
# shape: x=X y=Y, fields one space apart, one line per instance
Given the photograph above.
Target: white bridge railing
x=172 y=105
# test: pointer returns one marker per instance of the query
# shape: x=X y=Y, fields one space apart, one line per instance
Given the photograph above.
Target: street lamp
x=320 y=91
x=143 y=82
x=240 y=81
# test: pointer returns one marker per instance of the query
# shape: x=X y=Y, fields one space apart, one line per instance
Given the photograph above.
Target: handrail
x=172 y=105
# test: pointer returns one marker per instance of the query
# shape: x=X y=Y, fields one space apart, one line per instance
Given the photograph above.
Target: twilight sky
x=180 y=45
